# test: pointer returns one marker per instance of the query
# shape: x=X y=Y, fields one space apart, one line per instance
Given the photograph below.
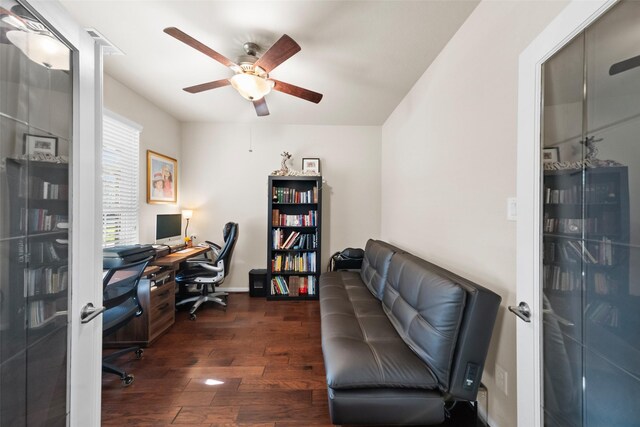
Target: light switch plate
x=512 y=209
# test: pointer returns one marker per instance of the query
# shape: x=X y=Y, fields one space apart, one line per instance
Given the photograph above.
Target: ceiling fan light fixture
x=41 y=48
x=250 y=86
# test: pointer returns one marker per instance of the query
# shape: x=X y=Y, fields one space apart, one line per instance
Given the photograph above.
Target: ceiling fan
x=251 y=78
x=622 y=66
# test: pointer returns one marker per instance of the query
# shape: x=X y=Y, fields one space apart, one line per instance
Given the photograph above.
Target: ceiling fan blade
x=207 y=86
x=261 y=107
x=622 y=66
x=187 y=39
x=281 y=50
x=290 y=89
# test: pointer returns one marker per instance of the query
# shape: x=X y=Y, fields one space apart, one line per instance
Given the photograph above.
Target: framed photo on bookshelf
x=162 y=178
x=550 y=155
x=39 y=144
x=311 y=165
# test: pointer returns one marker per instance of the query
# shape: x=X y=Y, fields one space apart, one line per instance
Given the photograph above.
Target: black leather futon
x=402 y=337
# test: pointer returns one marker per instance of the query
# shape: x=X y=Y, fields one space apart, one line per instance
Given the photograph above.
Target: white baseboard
x=487 y=420
x=233 y=288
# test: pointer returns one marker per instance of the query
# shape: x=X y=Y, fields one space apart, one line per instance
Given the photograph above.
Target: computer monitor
x=168 y=228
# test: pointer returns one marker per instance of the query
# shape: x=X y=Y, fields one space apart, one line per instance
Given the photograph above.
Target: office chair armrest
x=213 y=244
x=210 y=267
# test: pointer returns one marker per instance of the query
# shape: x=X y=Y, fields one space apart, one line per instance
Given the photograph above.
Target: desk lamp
x=187 y=214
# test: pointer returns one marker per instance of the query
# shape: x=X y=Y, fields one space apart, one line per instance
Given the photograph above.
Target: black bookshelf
x=294 y=237
x=586 y=232
x=38 y=245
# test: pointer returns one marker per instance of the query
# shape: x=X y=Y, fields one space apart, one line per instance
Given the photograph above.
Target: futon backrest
x=375 y=266
x=446 y=319
x=474 y=337
x=426 y=310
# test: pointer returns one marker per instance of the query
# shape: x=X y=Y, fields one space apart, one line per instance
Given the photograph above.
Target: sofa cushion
x=361 y=348
x=375 y=265
x=425 y=307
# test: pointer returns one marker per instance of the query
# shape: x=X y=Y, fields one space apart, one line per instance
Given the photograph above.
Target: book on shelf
x=603 y=224
x=45 y=280
x=35 y=219
x=279 y=286
x=599 y=252
x=308 y=220
x=38 y=189
x=40 y=312
x=294 y=240
x=559 y=278
x=603 y=313
x=288 y=243
x=310 y=284
x=603 y=284
x=593 y=193
x=40 y=252
x=294 y=196
x=581 y=251
x=300 y=262
x=294 y=286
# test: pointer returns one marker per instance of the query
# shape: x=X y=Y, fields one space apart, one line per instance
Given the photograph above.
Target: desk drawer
x=161 y=294
x=162 y=308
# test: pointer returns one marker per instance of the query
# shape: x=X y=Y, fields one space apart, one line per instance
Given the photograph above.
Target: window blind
x=120 y=172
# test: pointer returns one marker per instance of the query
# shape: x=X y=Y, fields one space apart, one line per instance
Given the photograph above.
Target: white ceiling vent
x=108 y=48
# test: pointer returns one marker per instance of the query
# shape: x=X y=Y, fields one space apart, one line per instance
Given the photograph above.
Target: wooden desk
x=173 y=260
x=156 y=293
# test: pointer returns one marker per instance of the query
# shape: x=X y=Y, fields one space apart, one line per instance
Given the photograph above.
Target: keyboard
x=184 y=251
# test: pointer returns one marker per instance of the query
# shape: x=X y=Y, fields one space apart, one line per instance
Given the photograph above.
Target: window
x=120 y=175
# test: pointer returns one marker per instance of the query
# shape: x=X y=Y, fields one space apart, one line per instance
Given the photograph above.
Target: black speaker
x=258 y=282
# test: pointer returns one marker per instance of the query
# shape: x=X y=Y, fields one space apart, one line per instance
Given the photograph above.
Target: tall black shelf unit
x=294 y=214
x=34 y=335
x=586 y=233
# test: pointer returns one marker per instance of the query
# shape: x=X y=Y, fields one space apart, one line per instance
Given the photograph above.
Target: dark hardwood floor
x=264 y=358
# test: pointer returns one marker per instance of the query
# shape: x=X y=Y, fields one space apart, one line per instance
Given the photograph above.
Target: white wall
x=223 y=181
x=449 y=165
x=160 y=133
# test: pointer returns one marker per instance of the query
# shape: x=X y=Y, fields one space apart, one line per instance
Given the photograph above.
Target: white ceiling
x=364 y=56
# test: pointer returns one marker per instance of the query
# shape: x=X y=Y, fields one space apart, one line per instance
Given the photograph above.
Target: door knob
x=522 y=311
x=89 y=312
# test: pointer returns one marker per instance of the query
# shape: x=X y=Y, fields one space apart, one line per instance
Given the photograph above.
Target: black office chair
x=120 y=298
x=208 y=272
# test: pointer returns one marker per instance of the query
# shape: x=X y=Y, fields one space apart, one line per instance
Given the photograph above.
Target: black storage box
x=346 y=264
x=258 y=282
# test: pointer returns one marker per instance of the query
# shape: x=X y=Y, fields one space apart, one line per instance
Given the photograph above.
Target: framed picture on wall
x=162 y=178
x=38 y=144
x=550 y=155
x=311 y=165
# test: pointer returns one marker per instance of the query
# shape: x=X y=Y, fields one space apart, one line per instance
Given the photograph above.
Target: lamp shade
x=250 y=86
x=187 y=213
x=42 y=49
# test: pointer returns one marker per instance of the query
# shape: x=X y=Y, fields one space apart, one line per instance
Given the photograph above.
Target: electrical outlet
x=501 y=379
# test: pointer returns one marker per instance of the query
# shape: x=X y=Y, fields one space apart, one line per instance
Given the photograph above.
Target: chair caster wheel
x=126 y=381
x=192 y=316
x=139 y=353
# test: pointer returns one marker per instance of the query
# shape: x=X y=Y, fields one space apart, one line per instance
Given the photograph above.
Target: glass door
x=36 y=114
x=591 y=231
